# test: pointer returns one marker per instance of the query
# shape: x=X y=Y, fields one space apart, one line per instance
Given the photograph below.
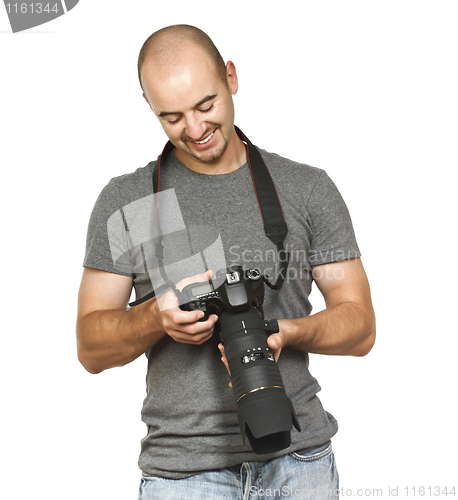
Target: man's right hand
x=184 y=326
x=109 y=334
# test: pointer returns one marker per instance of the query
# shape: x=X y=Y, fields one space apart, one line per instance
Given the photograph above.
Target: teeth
x=205 y=140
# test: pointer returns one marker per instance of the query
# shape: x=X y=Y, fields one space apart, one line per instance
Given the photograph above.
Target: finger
x=182 y=318
x=223 y=357
x=276 y=344
x=209 y=275
x=185 y=338
x=206 y=276
x=224 y=360
x=199 y=327
x=192 y=333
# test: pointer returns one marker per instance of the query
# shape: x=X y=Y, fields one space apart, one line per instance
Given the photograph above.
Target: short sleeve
x=333 y=236
x=102 y=252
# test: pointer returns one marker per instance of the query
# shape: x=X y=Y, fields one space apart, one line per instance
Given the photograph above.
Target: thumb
x=275 y=341
x=206 y=276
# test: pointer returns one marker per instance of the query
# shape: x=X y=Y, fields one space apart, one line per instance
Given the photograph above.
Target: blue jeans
x=307 y=475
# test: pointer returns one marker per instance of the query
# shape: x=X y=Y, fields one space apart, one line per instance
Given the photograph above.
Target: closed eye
x=172 y=122
x=206 y=110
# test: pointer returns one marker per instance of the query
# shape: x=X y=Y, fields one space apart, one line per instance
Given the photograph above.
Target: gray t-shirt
x=208 y=221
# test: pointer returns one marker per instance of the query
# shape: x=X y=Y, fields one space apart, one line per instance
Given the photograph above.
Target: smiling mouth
x=205 y=140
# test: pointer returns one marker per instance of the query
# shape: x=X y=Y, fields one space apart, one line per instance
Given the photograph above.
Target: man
x=206 y=199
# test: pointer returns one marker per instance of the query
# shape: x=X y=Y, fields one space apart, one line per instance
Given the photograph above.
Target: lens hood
x=266 y=418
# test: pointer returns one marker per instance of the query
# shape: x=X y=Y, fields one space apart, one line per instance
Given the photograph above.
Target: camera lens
x=266 y=414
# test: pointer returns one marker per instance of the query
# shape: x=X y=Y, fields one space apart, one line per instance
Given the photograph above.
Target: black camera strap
x=269 y=204
x=273 y=219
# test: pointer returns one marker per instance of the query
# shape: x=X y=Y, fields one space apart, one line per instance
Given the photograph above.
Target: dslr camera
x=265 y=413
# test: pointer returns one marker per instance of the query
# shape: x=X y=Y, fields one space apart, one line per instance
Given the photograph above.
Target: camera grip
x=196 y=305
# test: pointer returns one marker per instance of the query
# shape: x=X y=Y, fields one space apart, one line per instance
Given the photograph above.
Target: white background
x=365 y=90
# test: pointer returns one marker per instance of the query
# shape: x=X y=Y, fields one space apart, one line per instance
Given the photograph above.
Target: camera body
x=240 y=289
x=265 y=413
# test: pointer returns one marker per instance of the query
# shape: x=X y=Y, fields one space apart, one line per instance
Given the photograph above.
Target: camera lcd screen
x=202 y=289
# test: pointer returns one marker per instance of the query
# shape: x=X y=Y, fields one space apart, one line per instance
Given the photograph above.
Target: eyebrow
x=203 y=101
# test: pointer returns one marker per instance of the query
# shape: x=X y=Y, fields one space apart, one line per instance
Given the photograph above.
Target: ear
x=232 y=79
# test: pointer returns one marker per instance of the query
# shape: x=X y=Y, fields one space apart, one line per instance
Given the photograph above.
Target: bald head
x=167 y=47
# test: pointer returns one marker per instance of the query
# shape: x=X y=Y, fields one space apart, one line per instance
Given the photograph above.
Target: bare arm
x=346 y=326
x=109 y=334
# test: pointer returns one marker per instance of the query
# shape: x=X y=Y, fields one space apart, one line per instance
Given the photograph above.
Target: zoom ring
x=242 y=345
x=256 y=377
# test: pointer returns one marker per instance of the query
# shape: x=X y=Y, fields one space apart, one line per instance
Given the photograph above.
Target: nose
x=195 y=126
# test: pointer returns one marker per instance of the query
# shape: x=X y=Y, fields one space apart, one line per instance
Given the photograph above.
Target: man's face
x=194 y=107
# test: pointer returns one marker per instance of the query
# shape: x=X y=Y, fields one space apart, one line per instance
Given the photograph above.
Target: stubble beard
x=211 y=156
